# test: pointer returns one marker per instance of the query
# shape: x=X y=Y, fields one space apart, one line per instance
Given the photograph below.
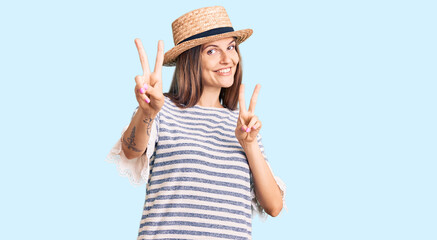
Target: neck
x=210 y=97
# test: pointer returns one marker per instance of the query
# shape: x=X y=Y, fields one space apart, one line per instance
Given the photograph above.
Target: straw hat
x=201 y=26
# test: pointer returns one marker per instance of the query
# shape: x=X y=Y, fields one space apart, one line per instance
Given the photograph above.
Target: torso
x=199 y=184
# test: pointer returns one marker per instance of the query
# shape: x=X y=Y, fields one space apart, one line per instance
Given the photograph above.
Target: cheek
x=205 y=70
x=204 y=73
x=235 y=58
x=203 y=67
x=208 y=62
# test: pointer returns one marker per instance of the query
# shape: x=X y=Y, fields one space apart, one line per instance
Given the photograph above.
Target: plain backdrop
x=348 y=105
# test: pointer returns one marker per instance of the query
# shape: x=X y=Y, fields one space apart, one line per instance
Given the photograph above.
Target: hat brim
x=171 y=55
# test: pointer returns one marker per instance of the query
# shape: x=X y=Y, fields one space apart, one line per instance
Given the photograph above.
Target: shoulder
x=235 y=112
x=169 y=104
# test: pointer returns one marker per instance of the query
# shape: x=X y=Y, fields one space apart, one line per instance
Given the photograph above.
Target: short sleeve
x=137 y=169
x=256 y=206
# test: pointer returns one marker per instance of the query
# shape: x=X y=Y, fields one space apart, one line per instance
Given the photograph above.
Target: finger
x=158 y=86
x=257 y=125
x=139 y=80
x=241 y=99
x=140 y=86
x=243 y=128
x=254 y=98
x=252 y=122
x=243 y=124
x=146 y=98
x=159 y=57
x=153 y=93
x=143 y=89
x=143 y=57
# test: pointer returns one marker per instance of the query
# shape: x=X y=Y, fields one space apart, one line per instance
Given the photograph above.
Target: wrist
x=146 y=114
x=248 y=146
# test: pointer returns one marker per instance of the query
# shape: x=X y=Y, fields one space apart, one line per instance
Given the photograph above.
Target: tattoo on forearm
x=130 y=143
x=148 y=121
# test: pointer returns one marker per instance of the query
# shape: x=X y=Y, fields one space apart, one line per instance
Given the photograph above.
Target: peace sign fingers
x=241 y=100
x=157 y=73
x=248 y=124
x=254 y=98
x=148 y=88
x=159 y=57
x=143 y=58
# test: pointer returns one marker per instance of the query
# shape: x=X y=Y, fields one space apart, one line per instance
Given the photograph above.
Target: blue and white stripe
x=199 y=182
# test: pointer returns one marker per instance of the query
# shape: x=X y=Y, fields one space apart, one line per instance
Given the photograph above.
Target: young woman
x=202 y=158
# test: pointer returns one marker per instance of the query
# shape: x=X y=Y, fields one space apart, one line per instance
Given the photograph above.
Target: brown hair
x=186 y=87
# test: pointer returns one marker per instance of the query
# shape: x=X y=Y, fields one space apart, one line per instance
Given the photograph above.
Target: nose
x=225 y=58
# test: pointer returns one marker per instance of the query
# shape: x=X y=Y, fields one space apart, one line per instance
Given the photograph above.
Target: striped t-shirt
x=199 y=180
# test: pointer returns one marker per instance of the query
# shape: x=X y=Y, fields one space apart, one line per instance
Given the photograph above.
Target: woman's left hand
x=248 y=124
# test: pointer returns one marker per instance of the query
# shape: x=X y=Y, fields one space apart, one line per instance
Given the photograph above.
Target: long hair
x=186 y=86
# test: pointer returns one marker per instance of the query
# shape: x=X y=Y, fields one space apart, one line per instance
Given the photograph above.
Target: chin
x=228 y=84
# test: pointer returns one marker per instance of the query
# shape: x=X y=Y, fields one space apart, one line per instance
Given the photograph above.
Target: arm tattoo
x=148 y=121
x=130 y=143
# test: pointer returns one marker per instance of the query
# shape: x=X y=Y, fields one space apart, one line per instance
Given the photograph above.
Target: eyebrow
x=217 y=46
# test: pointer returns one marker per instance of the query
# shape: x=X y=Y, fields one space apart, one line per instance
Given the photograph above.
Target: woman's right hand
x=148 y=88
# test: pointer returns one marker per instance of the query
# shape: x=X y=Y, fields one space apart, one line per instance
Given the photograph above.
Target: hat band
x=211 y=32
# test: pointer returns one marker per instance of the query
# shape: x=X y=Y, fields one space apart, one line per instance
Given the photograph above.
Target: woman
x=202 y=159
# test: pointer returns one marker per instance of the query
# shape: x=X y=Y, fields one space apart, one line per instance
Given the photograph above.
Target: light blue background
x=348 y=104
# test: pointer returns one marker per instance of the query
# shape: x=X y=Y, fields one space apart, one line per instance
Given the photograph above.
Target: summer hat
x=201 y=26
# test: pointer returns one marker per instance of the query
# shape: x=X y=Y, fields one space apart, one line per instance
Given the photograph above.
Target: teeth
x=224 y=70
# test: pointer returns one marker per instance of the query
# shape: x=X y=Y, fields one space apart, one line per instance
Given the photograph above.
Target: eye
x=209 y=52
x=232 y=47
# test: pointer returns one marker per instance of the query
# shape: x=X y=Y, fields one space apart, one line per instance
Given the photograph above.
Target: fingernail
x=142 y=90
x=248 y=130
x=147 y=100
x=145 y=86
x=253 y=127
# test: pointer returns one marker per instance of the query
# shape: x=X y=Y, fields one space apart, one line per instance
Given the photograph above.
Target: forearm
x=136 y=136
x=267 y=191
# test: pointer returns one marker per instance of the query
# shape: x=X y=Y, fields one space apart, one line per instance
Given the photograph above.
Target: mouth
x=224 y=71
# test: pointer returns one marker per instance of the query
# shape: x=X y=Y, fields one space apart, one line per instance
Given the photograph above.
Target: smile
x=224 y=71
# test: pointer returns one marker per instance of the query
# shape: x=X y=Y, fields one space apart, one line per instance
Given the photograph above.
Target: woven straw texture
x=198 y=21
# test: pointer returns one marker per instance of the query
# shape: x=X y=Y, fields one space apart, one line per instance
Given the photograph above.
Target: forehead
x=220 y=42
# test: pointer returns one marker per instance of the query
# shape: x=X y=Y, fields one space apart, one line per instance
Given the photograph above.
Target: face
x=219 y=61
